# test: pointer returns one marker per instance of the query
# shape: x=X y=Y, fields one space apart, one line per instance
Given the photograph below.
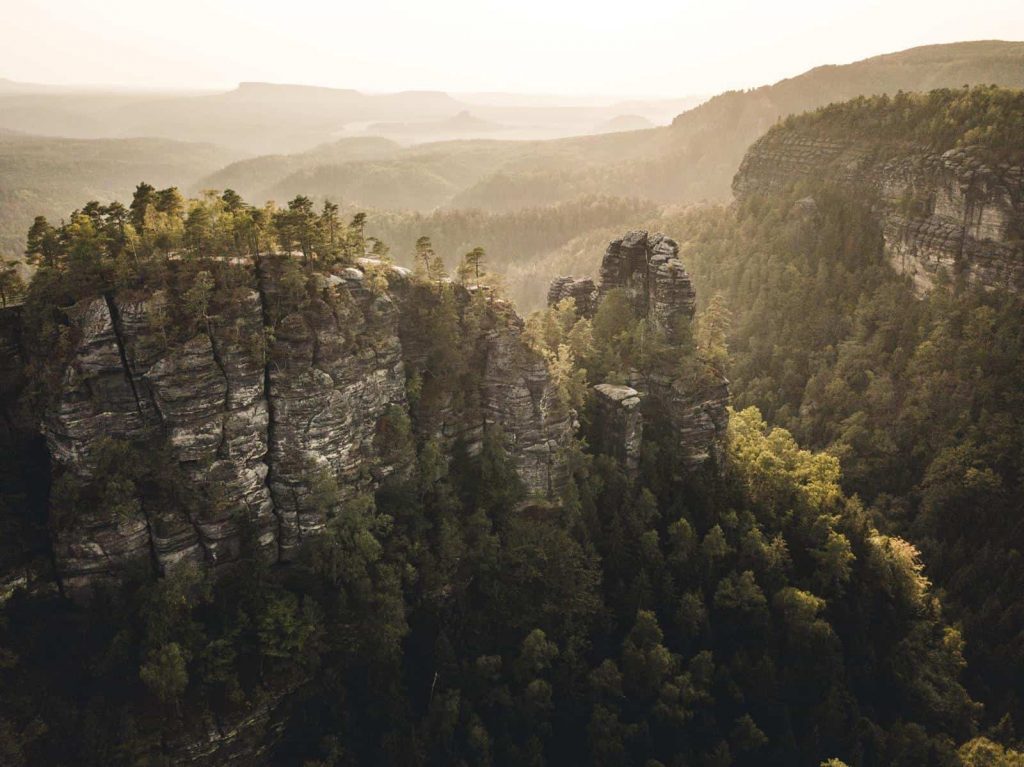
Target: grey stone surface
x=256 y=417
x=647 y=267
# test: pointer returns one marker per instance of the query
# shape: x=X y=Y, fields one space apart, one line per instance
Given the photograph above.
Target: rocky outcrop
x=267 y=415
x=247 y=738
x=698 y=415
x=619 y=424
x=648 y=269
x=254 y=427
x=507 y=386
x=947 y=211
x=580 y=289
x=518 y=395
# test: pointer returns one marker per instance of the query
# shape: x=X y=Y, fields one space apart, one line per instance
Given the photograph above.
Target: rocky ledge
x=620 y=424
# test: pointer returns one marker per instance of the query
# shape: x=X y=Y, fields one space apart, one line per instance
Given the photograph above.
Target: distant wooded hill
x=52 y=176
x=694 y=159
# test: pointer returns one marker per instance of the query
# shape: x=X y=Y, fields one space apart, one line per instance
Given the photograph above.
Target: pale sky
x=627 y=47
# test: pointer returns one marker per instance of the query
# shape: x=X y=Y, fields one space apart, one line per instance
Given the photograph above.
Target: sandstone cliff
x=276 y=395
x=948 y=211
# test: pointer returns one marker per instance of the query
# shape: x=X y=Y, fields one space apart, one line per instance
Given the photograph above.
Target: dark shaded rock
x=620 y=424
x=512 y=390
x=581 y=289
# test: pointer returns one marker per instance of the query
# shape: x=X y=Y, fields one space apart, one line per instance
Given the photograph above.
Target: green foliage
x=987 y=118
x=982 y=752
x=165 y=673
x=918 y=399
x=756 y=615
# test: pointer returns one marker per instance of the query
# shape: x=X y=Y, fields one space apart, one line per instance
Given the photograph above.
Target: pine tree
x=43 y=244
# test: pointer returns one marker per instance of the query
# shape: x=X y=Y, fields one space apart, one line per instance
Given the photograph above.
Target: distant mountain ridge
x=293 y=131
x=948 y=198
x=265 y=117
x=691 y=160
x=715 y=135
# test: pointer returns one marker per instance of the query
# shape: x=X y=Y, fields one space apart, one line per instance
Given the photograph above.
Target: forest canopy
x=746 y=613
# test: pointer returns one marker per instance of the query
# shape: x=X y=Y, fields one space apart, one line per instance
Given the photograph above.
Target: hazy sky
x=628 y=47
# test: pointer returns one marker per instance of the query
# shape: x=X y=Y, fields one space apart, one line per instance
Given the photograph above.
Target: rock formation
x=514 y=390
x=231 y=428
x=581 y=289
x=647 y=267
x=267 y=403
x=620 y=424
x=946 y=211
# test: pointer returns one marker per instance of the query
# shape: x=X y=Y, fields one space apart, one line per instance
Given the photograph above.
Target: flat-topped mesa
x=948 y=211
x=648 y=268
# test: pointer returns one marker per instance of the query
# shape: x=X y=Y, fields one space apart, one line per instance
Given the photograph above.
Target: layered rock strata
x=334 y=369
x=267 y=417
x=581 y=289
x=948 y=212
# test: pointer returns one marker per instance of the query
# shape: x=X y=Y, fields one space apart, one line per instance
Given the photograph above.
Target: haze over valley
x=431 y=156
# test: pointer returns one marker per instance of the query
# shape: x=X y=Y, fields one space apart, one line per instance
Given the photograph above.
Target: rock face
x=335 y=368
x=581 y=289
x=698 y=415
x=270 y=413
x=946 y=211
x=513 y=390
x=203 y=401
x=518 y=395
x=647 y=267
x=620 y=423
